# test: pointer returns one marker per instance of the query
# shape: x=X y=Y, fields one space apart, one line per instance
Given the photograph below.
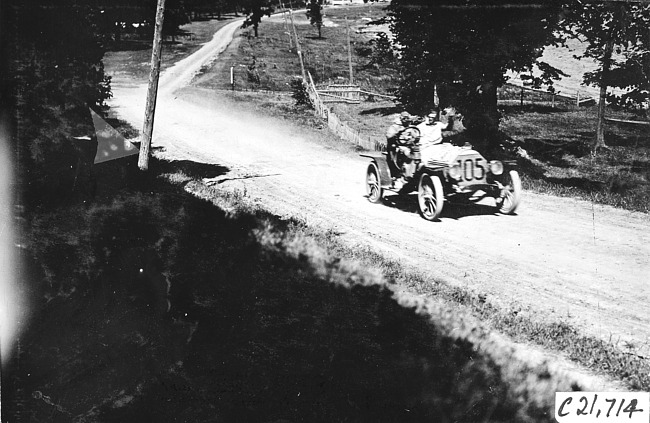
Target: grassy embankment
x=581 y=175
x=557 y=140
x=268 y=325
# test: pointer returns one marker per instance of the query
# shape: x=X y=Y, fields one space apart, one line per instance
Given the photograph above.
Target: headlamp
x=496 y=167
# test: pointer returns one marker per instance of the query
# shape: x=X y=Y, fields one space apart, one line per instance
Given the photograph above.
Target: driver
x=393 y=143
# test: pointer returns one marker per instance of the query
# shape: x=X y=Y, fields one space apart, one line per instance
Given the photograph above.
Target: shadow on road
x=451 y=210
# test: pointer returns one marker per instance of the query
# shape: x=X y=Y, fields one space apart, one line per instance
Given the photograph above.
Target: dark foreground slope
x=263 y=326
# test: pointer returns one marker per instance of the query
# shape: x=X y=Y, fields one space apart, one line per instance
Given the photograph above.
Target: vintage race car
x=446 y=172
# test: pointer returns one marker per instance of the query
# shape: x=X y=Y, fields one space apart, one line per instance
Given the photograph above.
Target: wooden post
x=152 y=91
x=578 y=98
x=521 y=99
x=295 y=33
x=286 y=25
x=349 y=50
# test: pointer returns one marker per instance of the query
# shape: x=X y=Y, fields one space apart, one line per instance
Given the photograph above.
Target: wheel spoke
x=374 y=189
x=428 y=203
x=430 y=207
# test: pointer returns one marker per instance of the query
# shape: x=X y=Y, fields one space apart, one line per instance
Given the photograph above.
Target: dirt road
x=559 y=259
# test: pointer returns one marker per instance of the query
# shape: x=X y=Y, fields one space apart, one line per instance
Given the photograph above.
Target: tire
x=373 y=184
x=510 y=197
x=430 y=197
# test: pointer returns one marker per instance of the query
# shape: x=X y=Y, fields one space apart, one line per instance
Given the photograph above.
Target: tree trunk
x=599 y=141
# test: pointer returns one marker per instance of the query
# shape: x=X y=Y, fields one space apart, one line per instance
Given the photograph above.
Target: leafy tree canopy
x=315 y=15
x=619 y=33
x=465 y=49
x=256 y=9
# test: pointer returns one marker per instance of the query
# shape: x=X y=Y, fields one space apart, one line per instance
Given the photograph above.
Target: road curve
x=559 y=259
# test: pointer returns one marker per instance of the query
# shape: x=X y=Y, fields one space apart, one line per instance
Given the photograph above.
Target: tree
x=617 y=37
x=55 y=72
x=465 y=48
x=256 y=9
x=175 y=17
x=315 y=15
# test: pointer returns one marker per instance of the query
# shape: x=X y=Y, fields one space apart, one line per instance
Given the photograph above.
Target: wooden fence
x=518 y=95
x=338 y=127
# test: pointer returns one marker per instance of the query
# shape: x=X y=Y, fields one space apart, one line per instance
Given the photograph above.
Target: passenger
x=430 y=135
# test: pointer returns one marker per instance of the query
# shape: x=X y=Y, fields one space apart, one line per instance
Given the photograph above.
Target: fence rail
x=512 y=94
x=338 y=127
x=631 y=122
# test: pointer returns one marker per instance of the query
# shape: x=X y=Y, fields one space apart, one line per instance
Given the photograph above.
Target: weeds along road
x=558 y=260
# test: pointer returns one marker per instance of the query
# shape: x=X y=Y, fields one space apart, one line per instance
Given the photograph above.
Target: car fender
x=382 y=165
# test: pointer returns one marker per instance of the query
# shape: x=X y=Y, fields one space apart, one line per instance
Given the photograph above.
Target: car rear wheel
x=510 y=197
x=373 y=184
x=430 y=197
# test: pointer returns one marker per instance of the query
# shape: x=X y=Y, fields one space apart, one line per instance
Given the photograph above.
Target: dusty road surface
x=559 y=259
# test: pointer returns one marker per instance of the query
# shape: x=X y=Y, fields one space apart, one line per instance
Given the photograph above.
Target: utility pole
x=295 y=33
x=286 y=25
x=152 y=91
x=349 y=50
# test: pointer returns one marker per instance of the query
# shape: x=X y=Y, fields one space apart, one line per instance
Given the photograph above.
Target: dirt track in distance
x=559 y=259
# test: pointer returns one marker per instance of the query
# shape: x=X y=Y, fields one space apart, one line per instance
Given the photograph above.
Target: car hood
x=447 y=154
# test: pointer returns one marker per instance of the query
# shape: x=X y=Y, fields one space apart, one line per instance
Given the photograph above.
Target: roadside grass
x=558 y=143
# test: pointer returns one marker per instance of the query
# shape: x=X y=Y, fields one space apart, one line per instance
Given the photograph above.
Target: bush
x=299 y=92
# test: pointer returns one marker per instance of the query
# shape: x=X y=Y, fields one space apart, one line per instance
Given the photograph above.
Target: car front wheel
x=510 y=196
x=430 y=197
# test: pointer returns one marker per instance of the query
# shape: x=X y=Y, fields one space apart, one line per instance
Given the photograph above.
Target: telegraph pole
x=295 y=33
x=286 y=25
x=152 y=91
x=349 y=50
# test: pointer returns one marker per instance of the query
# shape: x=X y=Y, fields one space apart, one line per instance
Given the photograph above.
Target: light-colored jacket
x=430 y=134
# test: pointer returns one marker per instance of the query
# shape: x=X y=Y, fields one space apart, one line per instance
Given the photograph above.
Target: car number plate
x=473 y=169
